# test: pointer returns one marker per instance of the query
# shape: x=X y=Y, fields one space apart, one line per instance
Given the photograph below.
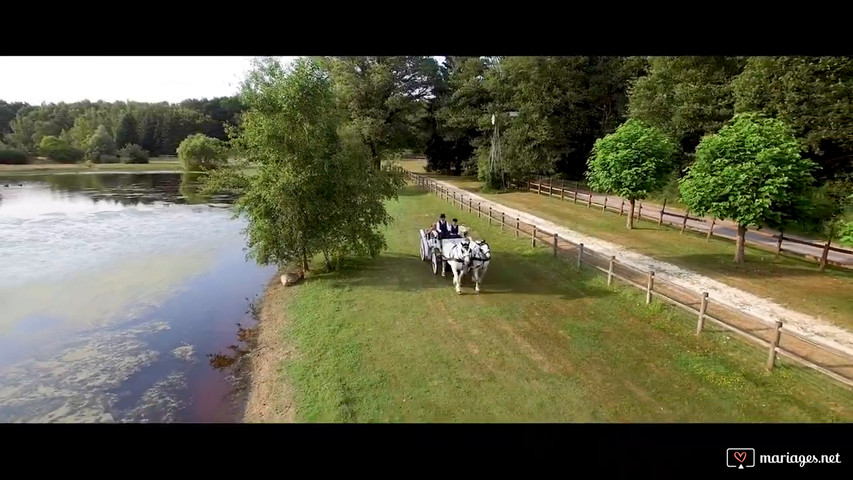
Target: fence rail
x=560 y=188
x=817 y=356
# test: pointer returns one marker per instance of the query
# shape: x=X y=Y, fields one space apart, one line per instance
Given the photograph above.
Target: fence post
x=610 y=271
x=684 y=223
x=533 y=236
x=662 y=210
x=702 y=309
x=556 y=238
x=517 y=225
x=562 y=190
x=639 y=210
x=490 y=214
x=539 y=187
x=550 y=186
x=469 y=204
x=649 y=287
x=779 y=243
x=580 y=254
x=576 y=194
x=824 y=256
x=502 y=221
x=454 y=199
x=589 y=200
x=711 y=229
x=622 y=207
x=604 y=208
x=771 y=357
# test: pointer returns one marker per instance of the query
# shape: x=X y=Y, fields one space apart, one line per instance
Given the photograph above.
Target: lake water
x=114 y=291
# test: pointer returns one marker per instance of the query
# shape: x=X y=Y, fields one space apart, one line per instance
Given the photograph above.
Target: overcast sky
x=144 y=79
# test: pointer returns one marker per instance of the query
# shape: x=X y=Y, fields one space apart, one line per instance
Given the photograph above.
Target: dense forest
x=561 y=107
x=158 y=128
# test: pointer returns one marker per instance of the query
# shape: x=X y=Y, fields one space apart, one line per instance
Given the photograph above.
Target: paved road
x=724 y=229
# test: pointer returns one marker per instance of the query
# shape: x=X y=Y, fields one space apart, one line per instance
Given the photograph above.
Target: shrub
x=133 y=153
x=200 y=152
x=12 y=156
x=59 y=150
x=108 y=159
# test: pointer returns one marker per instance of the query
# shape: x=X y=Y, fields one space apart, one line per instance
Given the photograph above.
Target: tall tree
x=315 y=191
x=751 y=173
x=686 y=97
x=8 y=112
x=461 y=110
x=631 y=162
x=23 y=128
x=128 y=131
x=383 y=98
x=99 y=144
x=812 y=95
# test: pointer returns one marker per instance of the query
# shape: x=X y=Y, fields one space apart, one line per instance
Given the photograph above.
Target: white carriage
x=431 y=248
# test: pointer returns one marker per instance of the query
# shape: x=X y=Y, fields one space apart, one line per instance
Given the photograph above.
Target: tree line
x=157 y=128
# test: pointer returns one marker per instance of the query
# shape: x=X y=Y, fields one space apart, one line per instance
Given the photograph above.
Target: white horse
x=458 y=256
x=481 y=255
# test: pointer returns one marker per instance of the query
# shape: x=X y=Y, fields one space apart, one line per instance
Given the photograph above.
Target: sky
x=143 y=79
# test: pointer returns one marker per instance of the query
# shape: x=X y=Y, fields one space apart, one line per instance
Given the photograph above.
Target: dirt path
x=767 y=310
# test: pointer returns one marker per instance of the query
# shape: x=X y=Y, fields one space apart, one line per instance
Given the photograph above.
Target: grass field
x=385 y=340
x=788 y=281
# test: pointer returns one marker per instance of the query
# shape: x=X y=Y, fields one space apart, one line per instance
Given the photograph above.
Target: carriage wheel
x=435 y=268
x=425 y=251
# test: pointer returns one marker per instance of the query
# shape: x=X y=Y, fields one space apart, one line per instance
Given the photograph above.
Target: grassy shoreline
x=387 y=341
x=49 y=168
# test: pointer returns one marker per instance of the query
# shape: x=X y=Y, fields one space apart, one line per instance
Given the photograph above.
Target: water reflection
x=111 y=285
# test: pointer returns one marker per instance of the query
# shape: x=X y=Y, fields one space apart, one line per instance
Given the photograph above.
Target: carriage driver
x=441 y=228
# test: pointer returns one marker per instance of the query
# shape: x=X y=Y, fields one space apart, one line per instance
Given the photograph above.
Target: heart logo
x=740 y=456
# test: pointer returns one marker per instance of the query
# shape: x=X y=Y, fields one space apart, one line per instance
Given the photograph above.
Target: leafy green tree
x=686 y=97
x=631 y=162
x=81 y=132
x=128 y=131
x=147 y=133
x=23 y=128
x=383 y=97
x=99 y=144
x=133 y=153
x=8 y=112
x=315 y=191
x=459 y=112
x=813 y=96
x=58 y=150
x=751 y=173
x=199 y=152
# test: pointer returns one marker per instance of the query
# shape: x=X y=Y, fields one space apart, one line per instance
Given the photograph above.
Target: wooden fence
x=822 y=358
x=553 y=188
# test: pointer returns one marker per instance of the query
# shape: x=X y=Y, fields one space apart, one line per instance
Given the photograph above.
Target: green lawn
x=385 y=340
x=791 y=282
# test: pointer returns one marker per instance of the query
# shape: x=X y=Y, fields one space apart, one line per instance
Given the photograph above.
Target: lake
x=115 y=290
